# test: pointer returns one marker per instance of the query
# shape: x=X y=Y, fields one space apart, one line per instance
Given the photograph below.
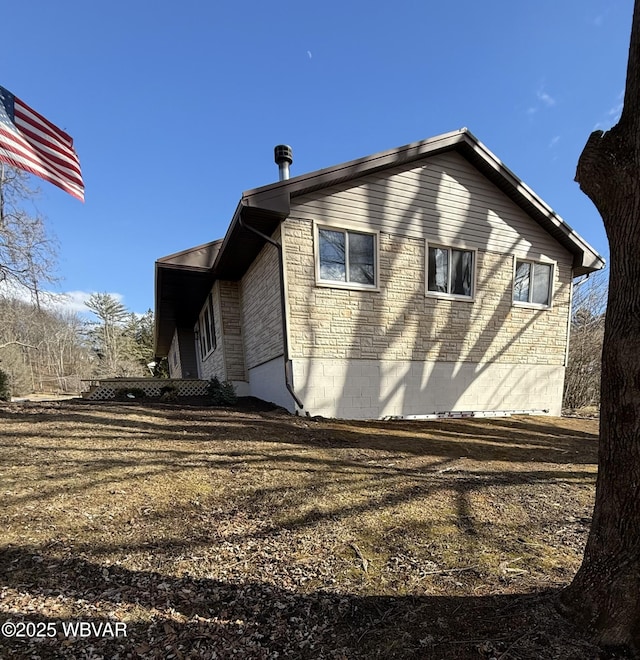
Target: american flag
x=32 y=143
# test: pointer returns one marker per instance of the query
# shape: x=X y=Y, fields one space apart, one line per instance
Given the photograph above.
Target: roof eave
x=586 y=259
x=241 y=246
x=277 y=195
x=179 y=292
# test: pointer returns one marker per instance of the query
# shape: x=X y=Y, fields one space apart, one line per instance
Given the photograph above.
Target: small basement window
x=532 y=283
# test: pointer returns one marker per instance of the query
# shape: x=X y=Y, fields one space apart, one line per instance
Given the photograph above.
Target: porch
x=102 y=389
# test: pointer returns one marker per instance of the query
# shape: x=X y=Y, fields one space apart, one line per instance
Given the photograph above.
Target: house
x=423 y=279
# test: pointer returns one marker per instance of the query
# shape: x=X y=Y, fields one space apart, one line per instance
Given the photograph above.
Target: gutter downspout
x=283 y=306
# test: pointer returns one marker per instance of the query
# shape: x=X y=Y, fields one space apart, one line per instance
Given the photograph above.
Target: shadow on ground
x=540 y=439
x=202 y=618
x=66 y=455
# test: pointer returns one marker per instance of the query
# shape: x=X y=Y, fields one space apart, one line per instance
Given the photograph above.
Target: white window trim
x=199 y=329
x=441 y=294
x=532 y=305
x=346 y=227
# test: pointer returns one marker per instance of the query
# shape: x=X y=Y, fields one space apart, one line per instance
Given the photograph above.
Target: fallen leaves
x=254 y=534
x=363 y=560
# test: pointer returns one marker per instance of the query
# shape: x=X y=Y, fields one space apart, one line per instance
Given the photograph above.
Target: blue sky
x=175 y=107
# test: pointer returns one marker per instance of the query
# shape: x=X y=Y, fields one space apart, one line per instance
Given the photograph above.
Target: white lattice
x=152 y=387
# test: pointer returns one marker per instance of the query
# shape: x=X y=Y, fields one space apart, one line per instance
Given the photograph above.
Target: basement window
x=532 y=283
x=346 y=258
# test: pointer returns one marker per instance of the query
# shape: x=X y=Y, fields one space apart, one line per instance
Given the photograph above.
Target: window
x=532 y=283
x=347 y=257
x=207 y=331
x=450 y=271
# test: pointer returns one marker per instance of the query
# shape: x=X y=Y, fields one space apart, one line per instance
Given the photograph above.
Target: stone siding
x=231 y=321
x=261 y=309
x=213 y=365
x=399 y=322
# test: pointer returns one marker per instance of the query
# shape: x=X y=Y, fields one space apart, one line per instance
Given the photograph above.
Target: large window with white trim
x=450 y=272
x=346 y=257
x=532 y=283
x=206 y=330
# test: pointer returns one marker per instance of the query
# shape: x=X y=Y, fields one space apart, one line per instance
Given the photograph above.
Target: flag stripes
x=32 y=143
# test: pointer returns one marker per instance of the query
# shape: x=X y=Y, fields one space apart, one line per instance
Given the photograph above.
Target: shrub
x=126 y=393
x=5 y=389
x=168 y=393
x=221 y=394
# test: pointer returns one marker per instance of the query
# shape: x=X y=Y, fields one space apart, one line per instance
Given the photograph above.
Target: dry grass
x=253 y=534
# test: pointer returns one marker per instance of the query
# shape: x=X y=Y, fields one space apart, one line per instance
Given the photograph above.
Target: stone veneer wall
x=247 y=319
x=400 y=322
x=425 y=354
x=231 y=321
x=226 y=362
x=214 y=363
x=261 y=309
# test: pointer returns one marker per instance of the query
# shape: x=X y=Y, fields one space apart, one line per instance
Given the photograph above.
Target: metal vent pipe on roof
x=283 y=155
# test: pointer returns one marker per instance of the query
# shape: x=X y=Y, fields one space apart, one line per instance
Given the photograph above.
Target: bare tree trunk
x=605 y=594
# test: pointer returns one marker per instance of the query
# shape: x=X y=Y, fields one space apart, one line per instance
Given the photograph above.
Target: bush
x=127 y=393
x=5 y=390
x=168 y=393
x=221 y=394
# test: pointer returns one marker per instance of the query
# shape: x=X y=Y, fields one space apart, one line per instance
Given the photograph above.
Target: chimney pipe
x=283 y=155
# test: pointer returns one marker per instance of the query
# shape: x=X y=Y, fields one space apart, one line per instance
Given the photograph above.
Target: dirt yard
x=249 y=533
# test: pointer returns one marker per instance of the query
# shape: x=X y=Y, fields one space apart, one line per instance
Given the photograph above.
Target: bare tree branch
x=18 y=343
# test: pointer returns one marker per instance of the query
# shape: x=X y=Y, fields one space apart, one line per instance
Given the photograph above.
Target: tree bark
x=605 y=594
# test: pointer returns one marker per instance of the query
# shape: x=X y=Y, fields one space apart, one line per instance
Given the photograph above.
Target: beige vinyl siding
x=443 y=199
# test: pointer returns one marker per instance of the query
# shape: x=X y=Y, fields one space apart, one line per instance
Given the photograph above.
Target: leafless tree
x=40 y=349
x=27 y=253
x=582 y=378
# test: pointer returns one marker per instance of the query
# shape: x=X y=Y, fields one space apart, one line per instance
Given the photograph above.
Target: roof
x=278 y=195
x=183 y=281
x=265 y=207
